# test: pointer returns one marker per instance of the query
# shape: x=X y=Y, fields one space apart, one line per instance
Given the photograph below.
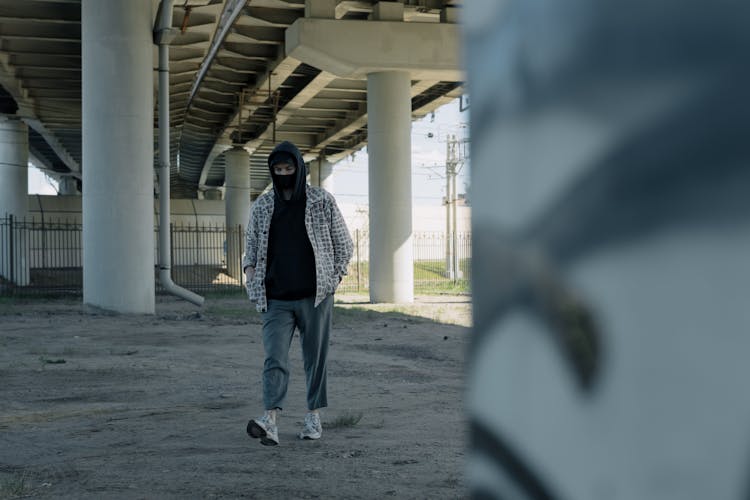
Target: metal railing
x=46 y=258
x=441 y=265
x=40 y=256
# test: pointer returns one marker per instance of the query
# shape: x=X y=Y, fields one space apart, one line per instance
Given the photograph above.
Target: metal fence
x=46 y=258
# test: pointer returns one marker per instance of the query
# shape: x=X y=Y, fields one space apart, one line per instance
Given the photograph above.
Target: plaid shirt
x=329 y=237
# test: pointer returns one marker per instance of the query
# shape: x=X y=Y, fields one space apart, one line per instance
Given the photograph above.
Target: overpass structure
x=79 y=94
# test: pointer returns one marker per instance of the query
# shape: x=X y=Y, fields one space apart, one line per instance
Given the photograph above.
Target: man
x=297 y=250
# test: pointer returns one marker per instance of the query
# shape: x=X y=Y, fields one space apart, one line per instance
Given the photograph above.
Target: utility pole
x=457 y=274
x=454 y=160
x=450 y=220
x=455 y=157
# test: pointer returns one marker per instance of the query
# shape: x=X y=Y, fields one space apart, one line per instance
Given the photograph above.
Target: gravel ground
x=130 y=406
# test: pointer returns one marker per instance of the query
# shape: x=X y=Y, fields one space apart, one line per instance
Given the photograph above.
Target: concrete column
x=323 y=9
x=321 y=174
x=388 y=11
x=325 y=175
x=389 y=152
x=313 y=176
x=610 y=253
x=212 y=194
x=68 y=186
x=14 y=186
x=118 y=155
x=237 y=202
x=14 y=159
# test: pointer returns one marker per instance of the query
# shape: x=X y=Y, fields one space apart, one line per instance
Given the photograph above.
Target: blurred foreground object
x=611 y=188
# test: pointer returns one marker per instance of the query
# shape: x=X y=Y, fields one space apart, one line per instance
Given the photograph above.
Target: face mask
x=285 y=181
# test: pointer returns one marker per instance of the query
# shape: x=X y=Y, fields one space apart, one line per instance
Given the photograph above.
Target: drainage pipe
x=162 y=36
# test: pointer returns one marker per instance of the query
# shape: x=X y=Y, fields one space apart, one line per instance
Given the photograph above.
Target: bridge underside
x=232 y=82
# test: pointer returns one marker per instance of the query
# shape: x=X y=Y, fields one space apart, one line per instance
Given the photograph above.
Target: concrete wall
x=211 y=212
x=68 y=209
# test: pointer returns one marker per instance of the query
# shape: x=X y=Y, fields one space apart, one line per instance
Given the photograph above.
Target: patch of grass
x=355 y=313
x=446 y=287
x=14 y=486
x=51 y=361
x=343 y=421
x=233 y=312
x=224 y=292
x=244 y=313
x=429 y=277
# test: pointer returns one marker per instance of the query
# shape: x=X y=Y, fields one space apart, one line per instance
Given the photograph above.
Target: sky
x=39 y=183
x=428 y=141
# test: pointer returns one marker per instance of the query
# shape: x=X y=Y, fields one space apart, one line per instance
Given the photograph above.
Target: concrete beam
x=279 y=72
x=426 y=51
x=388 y=11
x=322 y=80
x=26 y=111
x=324 y=9
x=358 y=120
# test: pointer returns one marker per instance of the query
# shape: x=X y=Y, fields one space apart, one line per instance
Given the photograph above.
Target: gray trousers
x=314 y=323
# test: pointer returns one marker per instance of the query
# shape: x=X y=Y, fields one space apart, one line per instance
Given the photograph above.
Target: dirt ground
x=126 y=406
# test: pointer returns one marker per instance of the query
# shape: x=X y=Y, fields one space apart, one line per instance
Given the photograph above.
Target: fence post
x=171 y=251
x=44 y=246
x=456 y=270
x=11 y=255
x=197 y=243
x=356 y=235
x=239 y=254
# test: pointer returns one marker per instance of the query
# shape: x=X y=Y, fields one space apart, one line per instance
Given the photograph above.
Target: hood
x=300 y=175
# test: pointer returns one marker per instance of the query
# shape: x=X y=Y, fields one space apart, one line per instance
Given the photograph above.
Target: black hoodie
x=301 y=174
x=291 y=262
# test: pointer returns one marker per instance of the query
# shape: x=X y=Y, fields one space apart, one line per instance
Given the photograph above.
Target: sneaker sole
x=307 y=437
x=256 y=431
x=268 y=441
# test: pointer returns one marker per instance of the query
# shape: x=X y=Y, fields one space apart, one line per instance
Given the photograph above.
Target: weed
x=343 y=421
x=14 y=486
x=356 y=313
x=234 y=312
x=51 y=361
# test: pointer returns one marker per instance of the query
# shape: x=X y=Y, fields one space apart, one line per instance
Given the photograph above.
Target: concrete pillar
x=237 y=202
x=322 y=9
x=14 y=159
x=14 y=186
x=212 y=194
x=610 y=253
x=325 y=175
x=321 y=174
x=388 y=11
x=313 y=174
x=389 y=152
x=118 y=155
x=68 y=186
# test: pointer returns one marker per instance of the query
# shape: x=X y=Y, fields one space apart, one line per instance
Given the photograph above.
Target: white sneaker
x=264 y=429
x=312 y=429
